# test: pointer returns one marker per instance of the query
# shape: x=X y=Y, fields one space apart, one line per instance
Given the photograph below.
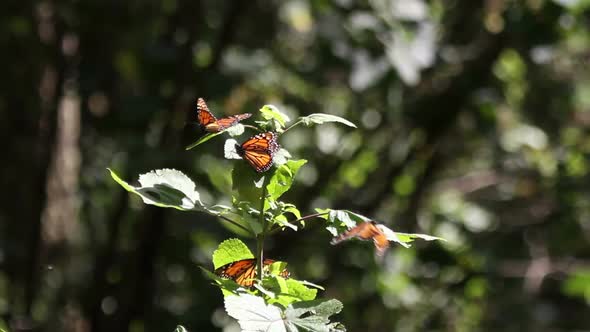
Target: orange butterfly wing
x=259 y=150
x=243 y=272
x=210 y=123
x=225 y=123
x=205 y=117
x=366 y=231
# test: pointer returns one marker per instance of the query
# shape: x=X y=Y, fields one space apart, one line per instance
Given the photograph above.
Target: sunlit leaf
x=406 y=238
x=578 y=284
x=311 y=284
x=290 y=208
x=282 y=179
x=229 y=251
x=165 y=188
x=288 y=291
x=283 y=221
x=180 y=328
x=320 y=118
x=271 y=112
x=340 y=220
x=313 y=316
x=203 y=139
x=253 y=314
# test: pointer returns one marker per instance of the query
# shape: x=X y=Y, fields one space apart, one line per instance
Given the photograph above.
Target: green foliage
x=235 y=130
x=276 y=119
x=203 y=139
x=167 y=188
x=473 y=125
x=288 y=291
x=271 y=301
x=247 y=184
x=578 y=284
x=3 y=327
x=320 y=118
x=282 y=179
x=340 y=220
x=314 y=316
x=405 y=239
x=253 y=314
x=230 y=250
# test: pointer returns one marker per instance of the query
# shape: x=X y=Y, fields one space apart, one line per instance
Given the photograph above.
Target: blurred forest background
x=473 y=118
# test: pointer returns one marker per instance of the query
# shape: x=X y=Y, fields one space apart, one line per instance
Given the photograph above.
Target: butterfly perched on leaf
x=211 y=124
x=243 y=272
x=367 y=231
x=259 y=150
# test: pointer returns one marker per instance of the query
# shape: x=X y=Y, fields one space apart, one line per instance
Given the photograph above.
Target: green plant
x=273 y=301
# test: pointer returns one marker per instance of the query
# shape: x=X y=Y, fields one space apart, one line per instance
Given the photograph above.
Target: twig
x=260 y=237
x=300 y=219
x=293 y=125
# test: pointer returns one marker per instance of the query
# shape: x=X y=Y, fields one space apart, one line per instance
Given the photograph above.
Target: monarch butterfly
x=367 y=230
x=259 y=150
x=244 y=272
x=213 y=125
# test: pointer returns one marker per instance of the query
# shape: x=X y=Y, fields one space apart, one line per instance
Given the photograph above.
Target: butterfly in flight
x=259 y=150
x=244 y=272
x=367 y=230
x=213 y=125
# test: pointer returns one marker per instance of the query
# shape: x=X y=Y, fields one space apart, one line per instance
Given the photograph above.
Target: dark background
x=473 y=125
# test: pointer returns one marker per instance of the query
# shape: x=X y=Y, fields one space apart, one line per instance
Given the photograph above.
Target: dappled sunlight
x=407 y=165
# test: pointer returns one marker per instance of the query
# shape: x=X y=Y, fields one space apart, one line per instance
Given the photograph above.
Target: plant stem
x=260 y=237
x=291 y=126
x=251 y=127
x=302 y=218
x=310 y=216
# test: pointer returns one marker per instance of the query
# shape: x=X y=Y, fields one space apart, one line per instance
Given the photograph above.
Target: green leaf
x=253 y=314
x=578 y=284
x=320 y=118
x=311 y=284
x=228 y=287
x=180 y=328
x=165 y=188
x=290 y=208
x=3 y=327
x=406 y=238
x=284 y=222
x=313 y=316
x=340 y=220
x=271 y=112
x=250 y=217
x=247 y=183
x=290 y=291
x=282 y=179
x=229 y=251
x=285 y=208
x=203 y=139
